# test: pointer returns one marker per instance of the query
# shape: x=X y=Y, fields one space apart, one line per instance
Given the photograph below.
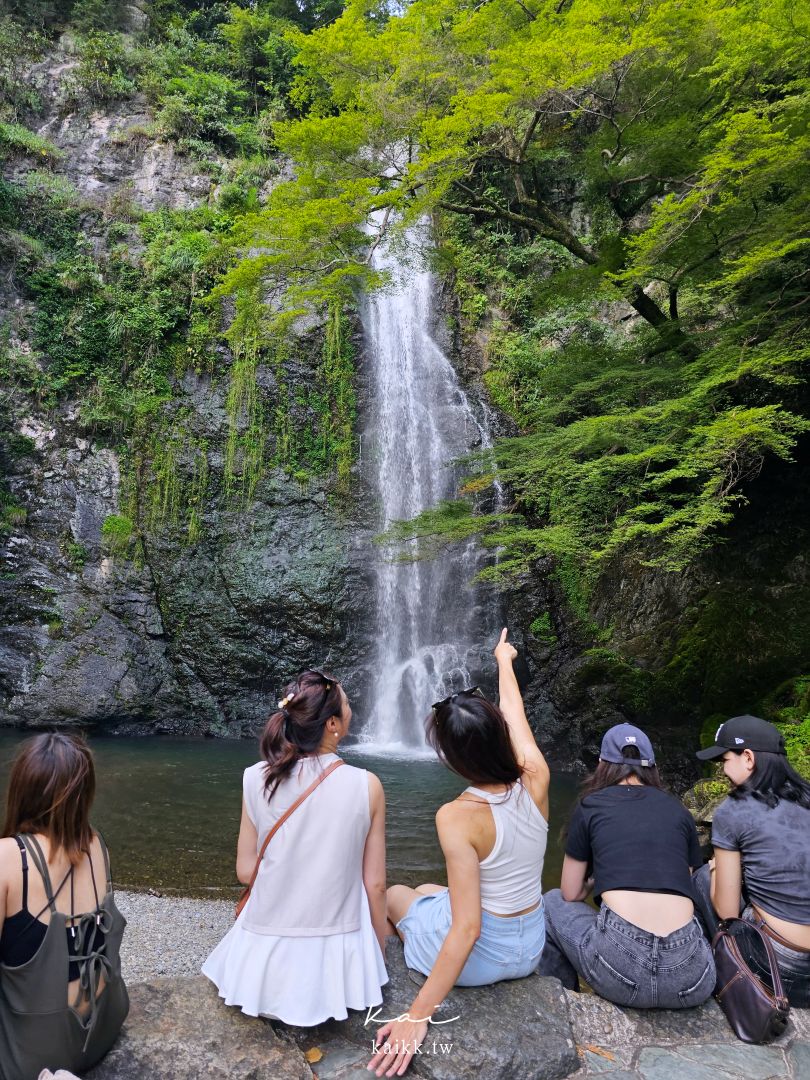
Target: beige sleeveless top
x=310 y=882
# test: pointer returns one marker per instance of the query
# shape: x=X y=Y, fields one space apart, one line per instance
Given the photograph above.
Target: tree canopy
x=620 y=191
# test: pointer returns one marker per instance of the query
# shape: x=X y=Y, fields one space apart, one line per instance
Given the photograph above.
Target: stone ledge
x=688 y=1044
x=179 y=1029
x=528 y=1029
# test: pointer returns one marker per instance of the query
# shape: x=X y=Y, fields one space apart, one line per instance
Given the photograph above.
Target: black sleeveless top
x=23 y=933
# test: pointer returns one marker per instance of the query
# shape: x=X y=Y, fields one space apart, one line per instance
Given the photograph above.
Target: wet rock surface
x=163 y=635
x=175 y=637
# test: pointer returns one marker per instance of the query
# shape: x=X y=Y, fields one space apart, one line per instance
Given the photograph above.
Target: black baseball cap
x=744 y=733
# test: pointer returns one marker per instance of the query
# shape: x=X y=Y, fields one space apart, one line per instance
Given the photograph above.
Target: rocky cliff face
x=158 y=633
x=185 y=638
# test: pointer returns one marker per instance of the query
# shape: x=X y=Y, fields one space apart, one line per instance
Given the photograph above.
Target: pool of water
x=169 y=810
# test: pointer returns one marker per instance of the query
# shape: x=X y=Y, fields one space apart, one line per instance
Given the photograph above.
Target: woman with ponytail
x=309 y=944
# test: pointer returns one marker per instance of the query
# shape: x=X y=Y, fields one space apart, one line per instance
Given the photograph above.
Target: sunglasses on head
x=329 y=680
x=474 y=691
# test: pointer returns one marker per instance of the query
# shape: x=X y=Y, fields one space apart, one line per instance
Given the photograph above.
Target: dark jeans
x=623 y=963
x=794 y=966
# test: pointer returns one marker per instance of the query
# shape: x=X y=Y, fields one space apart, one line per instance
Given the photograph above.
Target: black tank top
x=40 y=1023
x=23 y=933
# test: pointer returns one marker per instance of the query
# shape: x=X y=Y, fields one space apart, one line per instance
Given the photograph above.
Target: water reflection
x=169 y=810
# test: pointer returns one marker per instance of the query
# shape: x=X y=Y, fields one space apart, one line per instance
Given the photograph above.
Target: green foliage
x=114 y=331
x=117 y=327
x=797 y=744
x=89 y=15
x=220 y=88
x=245 y=450
x=202 y=107
x=679 y=136
x=789 y=703
x=106 y=70
x=20 y=46
x=543 y=629
x=788 y=706
x=335 y=400
x=16 y=139
x=77 y=554
x=633 y=685
x=53 y=15
x=117 y=533
x=12 y=515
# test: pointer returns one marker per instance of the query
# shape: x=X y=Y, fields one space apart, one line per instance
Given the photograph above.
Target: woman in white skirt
x=309 y=944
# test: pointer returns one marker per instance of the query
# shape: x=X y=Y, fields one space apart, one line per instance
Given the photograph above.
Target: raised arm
x=374 y=859
x=527 y=751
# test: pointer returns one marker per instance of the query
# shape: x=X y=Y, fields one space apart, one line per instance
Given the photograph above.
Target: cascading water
x=433 y=628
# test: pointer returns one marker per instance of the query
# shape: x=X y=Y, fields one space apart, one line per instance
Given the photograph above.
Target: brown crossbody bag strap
x=243 y=899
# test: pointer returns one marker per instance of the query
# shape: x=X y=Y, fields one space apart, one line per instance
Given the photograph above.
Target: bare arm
x=374 y=858
x=463 y=877
x=575 y=883
x=727 y=883
x=246 y=848
x=527 y=751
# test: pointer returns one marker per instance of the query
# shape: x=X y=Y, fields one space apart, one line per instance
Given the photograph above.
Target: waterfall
x=433 y=629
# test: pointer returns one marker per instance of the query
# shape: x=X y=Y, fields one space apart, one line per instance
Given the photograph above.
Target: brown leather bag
x=243 y=899
x=757 y=1013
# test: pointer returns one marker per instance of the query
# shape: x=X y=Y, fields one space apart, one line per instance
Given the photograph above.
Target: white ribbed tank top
x=511 y=873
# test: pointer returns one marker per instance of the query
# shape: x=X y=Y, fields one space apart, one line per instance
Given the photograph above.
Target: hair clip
x=285 y=701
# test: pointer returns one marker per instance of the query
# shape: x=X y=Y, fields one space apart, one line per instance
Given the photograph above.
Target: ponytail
x=277 y=750
x=296 y=728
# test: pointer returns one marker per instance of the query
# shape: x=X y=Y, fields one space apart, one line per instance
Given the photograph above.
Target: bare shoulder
x=374 y=782
x=97 y=844
x=376 y=792
x=459 y=815
x=9 y=858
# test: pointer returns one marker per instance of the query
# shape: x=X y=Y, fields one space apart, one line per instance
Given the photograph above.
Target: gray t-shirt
x=775 y=849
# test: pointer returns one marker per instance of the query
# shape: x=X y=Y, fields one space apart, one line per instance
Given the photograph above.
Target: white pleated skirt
x=299 y=980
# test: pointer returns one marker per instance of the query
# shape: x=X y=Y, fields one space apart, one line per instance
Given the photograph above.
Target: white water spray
x=432 y=632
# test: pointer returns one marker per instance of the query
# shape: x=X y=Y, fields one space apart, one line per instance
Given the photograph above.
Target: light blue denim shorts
x=508 y=948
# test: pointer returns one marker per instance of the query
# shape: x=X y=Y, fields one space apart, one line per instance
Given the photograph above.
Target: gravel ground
x=169 y=935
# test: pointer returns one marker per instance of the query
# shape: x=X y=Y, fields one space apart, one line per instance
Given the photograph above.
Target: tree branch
x=553 y=228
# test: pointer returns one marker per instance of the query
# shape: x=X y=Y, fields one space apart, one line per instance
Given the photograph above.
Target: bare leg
x=429 y=890
x=397 y=901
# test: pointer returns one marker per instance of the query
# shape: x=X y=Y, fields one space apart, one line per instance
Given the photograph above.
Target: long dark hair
x=297 y=727
x=608 y=773
x=471 y=737
x=773 y=778
x=51 y=790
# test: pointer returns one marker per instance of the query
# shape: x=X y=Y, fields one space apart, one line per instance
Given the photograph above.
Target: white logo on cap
x=630 y=738
x=739 y=741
